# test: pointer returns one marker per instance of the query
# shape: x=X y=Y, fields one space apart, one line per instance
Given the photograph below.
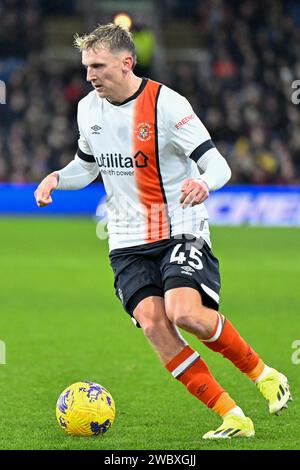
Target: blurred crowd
x=21 y=27
x=38 y=129
x=244 y=98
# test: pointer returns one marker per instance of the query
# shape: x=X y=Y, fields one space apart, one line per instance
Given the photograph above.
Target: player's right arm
x=79 y=173
x=44 y=190
x=76 y=175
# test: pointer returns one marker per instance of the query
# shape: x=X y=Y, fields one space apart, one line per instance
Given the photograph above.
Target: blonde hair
x=115 y=37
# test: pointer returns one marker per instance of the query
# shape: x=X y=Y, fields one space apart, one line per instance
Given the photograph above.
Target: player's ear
x=127 y=63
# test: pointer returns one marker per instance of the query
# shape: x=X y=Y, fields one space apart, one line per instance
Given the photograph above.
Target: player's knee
x=177 y=312
x=185 y=317
x=152 y=331
x=150 y=320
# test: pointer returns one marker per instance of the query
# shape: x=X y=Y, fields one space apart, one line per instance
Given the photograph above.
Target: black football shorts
x=152 y=269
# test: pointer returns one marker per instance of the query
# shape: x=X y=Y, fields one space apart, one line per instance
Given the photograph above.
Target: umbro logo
x=202 y=389
x=187 y=270
x=96 y=129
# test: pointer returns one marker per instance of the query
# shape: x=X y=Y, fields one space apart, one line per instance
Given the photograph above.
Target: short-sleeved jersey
x=145 y=148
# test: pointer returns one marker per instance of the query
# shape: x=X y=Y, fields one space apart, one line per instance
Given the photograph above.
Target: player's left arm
x=214 y=173
x=190 y=137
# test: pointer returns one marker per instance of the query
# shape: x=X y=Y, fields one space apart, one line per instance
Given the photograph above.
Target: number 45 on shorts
x=191 y=256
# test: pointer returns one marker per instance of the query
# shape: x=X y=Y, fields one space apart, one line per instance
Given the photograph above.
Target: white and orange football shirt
x=145 y=148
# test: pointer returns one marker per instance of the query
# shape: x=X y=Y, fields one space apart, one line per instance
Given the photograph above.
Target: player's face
x=106 y=71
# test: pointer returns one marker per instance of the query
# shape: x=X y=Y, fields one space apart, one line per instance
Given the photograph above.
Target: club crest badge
x=144 y=132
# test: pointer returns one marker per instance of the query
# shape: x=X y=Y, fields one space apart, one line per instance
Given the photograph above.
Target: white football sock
x=237 y=411
x=266 y=370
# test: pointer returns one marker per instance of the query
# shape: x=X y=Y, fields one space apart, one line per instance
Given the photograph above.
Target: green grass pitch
x=62 y=323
